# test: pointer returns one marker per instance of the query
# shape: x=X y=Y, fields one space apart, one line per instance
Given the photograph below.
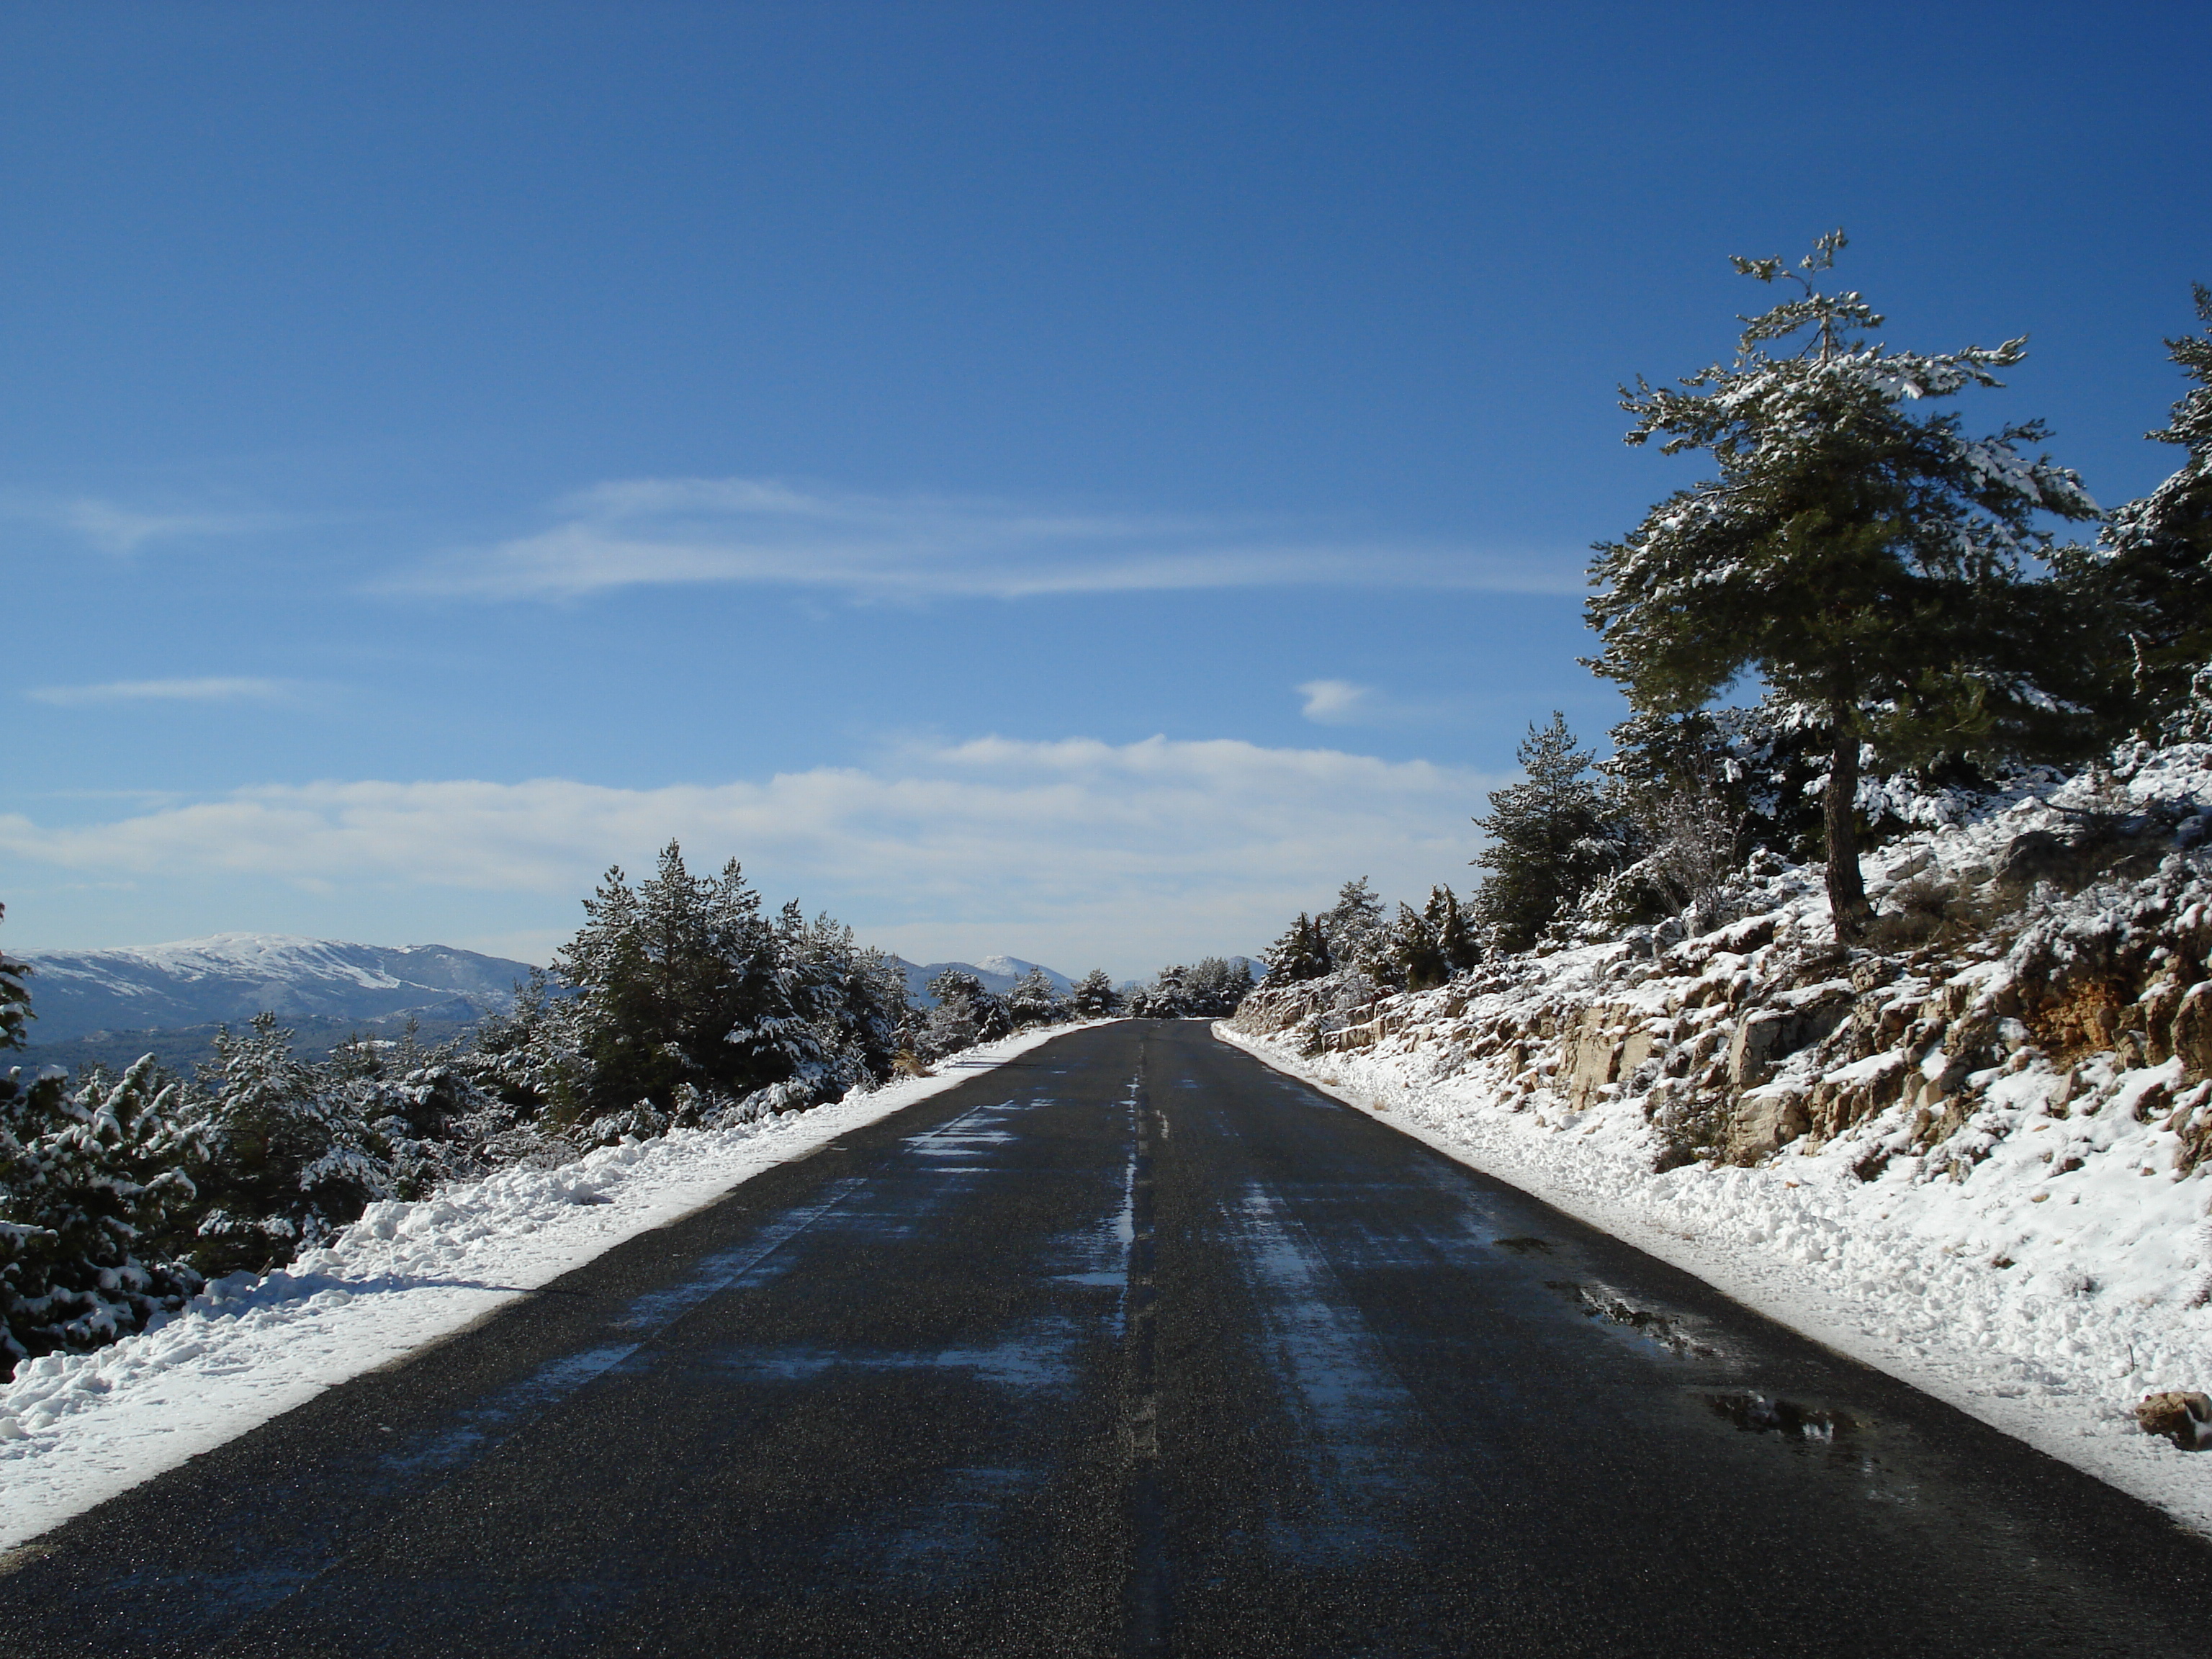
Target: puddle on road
x=1667 y=1332
x=1754 y=1414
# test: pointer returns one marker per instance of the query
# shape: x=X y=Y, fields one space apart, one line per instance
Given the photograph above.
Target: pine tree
x=1417 y=954
x=683 y=989
x=1456 y=943
x=290 y=1157
x=14 y=999
x=1212 y=989
x=958 y=1021
x=1551 y=839
x=1866 y=564
x=1033 y=1000
x=1094 y=996
x=1165 y=998
x=532 y=1057
x=1347 y=925
x=2154 y=557
x=96 y=1207
x=1301 y=953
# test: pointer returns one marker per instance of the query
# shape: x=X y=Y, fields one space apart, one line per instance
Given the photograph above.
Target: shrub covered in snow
x=96 y=1207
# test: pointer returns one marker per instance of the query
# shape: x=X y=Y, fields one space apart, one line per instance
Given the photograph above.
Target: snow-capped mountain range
x=233 y=976
x=996 y=973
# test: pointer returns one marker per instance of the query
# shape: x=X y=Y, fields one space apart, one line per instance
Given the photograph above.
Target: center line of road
x=1144 y=1623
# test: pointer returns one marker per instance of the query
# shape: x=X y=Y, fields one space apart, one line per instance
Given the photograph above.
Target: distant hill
x=107 y=1007
x=997 y=974
x=233 y=976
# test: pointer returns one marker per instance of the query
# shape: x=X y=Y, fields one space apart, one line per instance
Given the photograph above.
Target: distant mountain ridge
x=230 y=977
x=996 y=973
x=233 y=976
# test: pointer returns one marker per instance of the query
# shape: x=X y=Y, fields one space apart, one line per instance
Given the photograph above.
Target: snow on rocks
x=77 y=1429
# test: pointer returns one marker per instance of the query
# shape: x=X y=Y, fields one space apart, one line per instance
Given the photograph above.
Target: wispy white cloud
x=113 y=528
x=663 y=532
x=1347 y=703
x=1090 y=851
x=1336 y=703
x=213 y=689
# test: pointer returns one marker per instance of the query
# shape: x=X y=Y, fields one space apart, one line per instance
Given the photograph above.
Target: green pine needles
x=1870 y=564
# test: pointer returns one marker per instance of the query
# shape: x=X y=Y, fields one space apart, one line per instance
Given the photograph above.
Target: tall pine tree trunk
x=1847 y=899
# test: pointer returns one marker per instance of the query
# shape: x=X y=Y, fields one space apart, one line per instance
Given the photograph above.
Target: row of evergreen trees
x=681 y=1001
x=1413 y=950
x=1893 y=588
x=1210 y=989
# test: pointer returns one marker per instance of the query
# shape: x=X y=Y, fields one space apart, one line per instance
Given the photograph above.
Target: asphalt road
x=1131 y=1347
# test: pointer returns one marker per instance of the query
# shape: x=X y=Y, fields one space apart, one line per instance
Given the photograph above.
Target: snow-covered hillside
x=233 y=976
x=1977 y=1154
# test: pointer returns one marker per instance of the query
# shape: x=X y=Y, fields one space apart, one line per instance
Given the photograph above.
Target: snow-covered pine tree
x=1094 y=996
x=993 y=1019
x=2154 y=556
x=1414 y=960
x=1213 y=988
x=863 y=995
x=1457 y=943
x=1166 y=997
x=95 y=1206
x=1035 y=1001
x=425 y=1110
x=290 y=1157
x=1552 y=836
x=804 y=1041
x=1301 y=953
x=1347 y=925
x=94 y=1197
x=532 y=1057
x=682 y=988
x=1866 y=564
x=1233 y=987
x=14 y=998
x=953 y=1023
x=1760 y=768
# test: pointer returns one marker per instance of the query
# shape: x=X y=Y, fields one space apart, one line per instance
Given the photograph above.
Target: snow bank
x=77 y=1429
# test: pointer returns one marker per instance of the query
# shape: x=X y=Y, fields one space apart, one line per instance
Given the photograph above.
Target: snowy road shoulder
x=77 y=1429
x=1912 y=1282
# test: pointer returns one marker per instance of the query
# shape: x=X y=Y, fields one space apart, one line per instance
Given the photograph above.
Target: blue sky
x=1075 y=480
